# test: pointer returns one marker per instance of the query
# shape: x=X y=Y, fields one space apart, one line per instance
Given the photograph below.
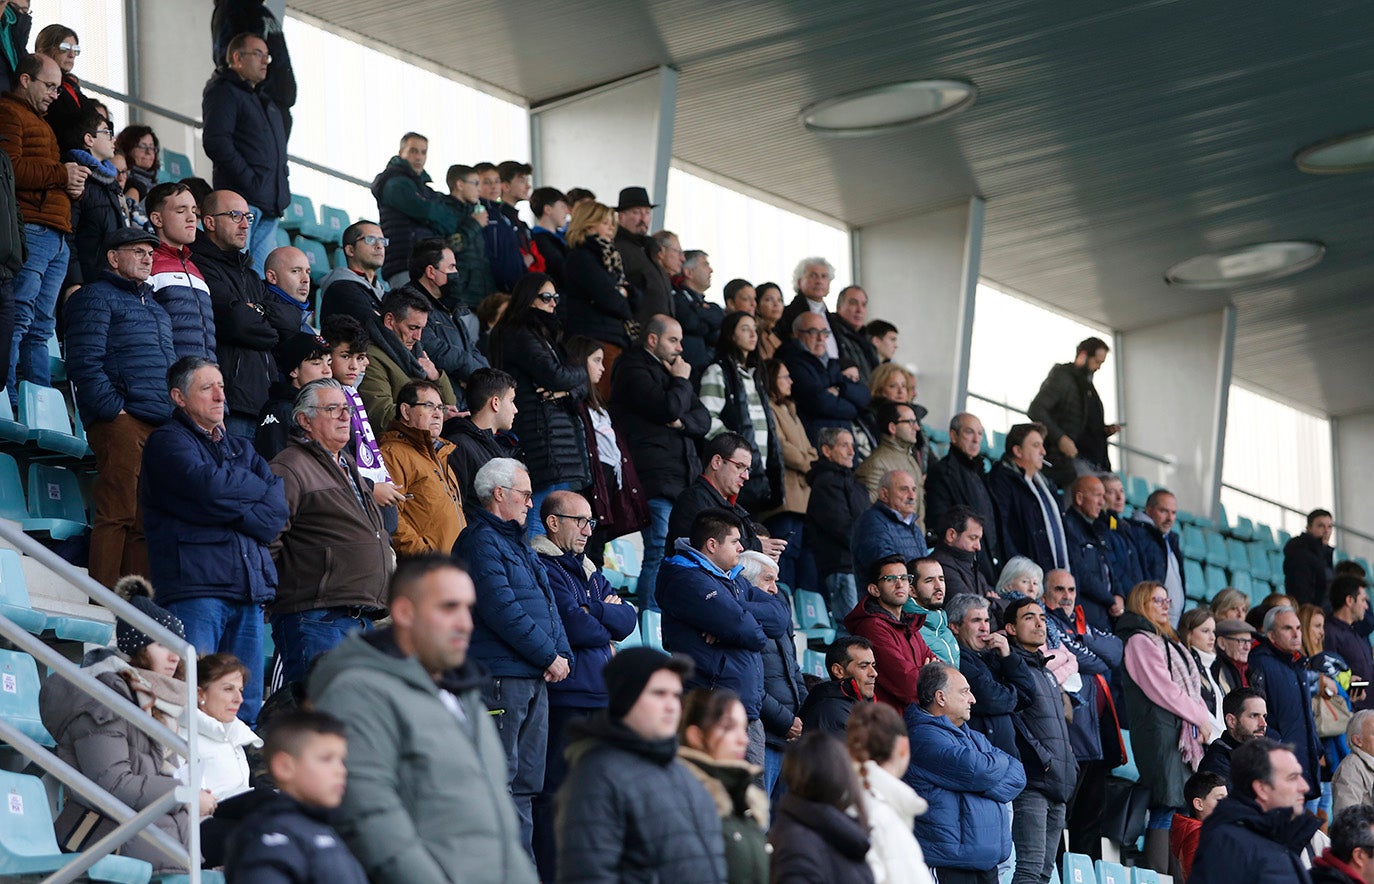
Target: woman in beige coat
x=798 y=454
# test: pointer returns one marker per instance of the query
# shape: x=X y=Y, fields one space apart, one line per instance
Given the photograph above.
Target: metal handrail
x=1344 y=529
x=197 y=124
x=1167 y=460
x=11 y=533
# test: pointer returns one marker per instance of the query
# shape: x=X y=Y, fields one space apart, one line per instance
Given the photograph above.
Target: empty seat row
x=1081 y=869
x=43 y=423
x=300 y=217
x=55 y=506
x=16 y=605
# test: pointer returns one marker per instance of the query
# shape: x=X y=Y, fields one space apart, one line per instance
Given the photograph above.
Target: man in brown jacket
x=431 y=516
x=333 y=558
x=44 y=187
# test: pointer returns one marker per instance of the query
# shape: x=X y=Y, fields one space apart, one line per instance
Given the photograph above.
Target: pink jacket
x=1148 y=668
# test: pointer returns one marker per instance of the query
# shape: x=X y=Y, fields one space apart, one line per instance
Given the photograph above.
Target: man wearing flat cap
x=629 y=810
x=119 y=348
x=638 y=252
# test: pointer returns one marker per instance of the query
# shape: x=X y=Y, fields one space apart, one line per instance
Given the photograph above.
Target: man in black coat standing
x=1069 y=407
x=959 y=478
x=1308 y=566
x=245 y=137
x=654 y=406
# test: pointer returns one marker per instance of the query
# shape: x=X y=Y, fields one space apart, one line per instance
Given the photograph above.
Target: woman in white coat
x=881 y=750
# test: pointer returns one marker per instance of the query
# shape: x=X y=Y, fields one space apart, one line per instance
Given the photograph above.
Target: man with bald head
x=662 y=419
x=825 y=394
x=249 y=321
x=288 y=280
x=1088 y=553
x=958 y=480
x=44 y=188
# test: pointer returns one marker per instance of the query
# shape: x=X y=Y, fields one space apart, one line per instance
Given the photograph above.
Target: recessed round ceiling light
x=1336 y=156
x=1258 y=262
x=885 y=108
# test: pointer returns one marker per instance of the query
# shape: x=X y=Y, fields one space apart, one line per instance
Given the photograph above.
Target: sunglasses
x=549 y=296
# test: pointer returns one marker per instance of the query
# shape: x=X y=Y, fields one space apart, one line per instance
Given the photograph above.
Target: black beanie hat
x=630 y=670
x=138 y=592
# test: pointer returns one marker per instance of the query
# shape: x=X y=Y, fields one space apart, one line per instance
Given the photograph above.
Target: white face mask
x=357 y=382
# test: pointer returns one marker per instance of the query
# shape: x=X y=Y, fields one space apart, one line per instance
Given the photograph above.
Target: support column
x=616 y=135
x=921 y=275
x=171 y=48
x=1176 y=383
x=1352 y=437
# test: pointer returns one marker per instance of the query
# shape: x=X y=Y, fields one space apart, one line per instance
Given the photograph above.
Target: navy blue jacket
x=967 y=782
x=697 y=600
x=1003 y=687
x=784 y=691
x=880 y=532
x=119 y=347
x=590 y=623
x=1149 y=547
x=1020 y=519
x=516 y=630
x=1043 y=734
x=1122 y=556
x=245 y=137
x=811 y=379
x=1290 y=706
x=286 y=842
x=1090 y=564
x=210 y=510
x=503 y=248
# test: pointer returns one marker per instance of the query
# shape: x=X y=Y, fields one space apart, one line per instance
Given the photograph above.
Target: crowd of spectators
x=414 y=491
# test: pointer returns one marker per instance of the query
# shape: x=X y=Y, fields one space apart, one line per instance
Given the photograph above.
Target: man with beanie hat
x=629 y=809
x=301 y=358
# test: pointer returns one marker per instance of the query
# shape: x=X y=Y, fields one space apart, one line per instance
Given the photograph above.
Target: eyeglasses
x=1162 y=602
x=52 y=88
x=428 y=406
x=549 y=296
x=371 y=239
x=236 y=216
x=73 y=48
x=582 y=521
x=344 y=411
x=106 y=131
x=256 y=53
x=146 y=148
x=908 y=579
x=527 y=495
x=742 y=467
x=907 y=420
x=137 y=252
x=822 y=332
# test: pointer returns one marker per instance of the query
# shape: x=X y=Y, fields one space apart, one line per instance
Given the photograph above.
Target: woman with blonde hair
x=1230 y=604
x=1170 y=723
x=881 y=750
x=597 y=291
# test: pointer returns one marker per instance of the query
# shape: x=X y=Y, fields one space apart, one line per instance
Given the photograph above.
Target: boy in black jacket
x=288 y=839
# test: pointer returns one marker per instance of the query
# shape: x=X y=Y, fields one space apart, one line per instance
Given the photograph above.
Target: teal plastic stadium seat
x=331 y=226
x=281 y=237
x=1216 y=581
x=1282 y=537
x=1264 y=535
x=1237 y=556
x=1127 y=771
x=44 y=412
x=11 y=430
x=1193 y=544
x=338 y=259
x=628 y=555
x=57 y=366
x=28 y=845
x=19 y=686
x=634 y=640
x=1194 y=580
x=813 y=663
x=998 y=443
x=1140 y=875
x=1276 y=568
x=651 y=629
x=55 y=503
x=1078 y=869
x=207 y=876
x=1244 y=529
x=319 y=259
x=12 y=505
x=1246 y=584
x=1137 y=491
x=175 y=166
x=14 y=594
x=299 y=213
x=1216 y=549
x=1112 y=873
x=1223 y=524
x=1259 y=560
x=813 y=618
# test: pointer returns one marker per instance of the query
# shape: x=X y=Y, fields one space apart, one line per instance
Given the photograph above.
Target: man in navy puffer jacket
x=119 y=348
x=594 y=617
x=714 y=616
x=517 y=633
x=211 y=507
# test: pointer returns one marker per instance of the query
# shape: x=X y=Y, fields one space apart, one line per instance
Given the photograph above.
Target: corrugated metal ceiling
x=1110 y=140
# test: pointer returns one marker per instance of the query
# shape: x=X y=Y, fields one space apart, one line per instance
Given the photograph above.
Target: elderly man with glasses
x=119 y=349
x=826 y=394
x=517 y=633
x=430 y=517
x=44 y=189
x=333 y=558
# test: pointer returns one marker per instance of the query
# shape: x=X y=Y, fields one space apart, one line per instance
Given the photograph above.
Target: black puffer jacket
x=631 y=811
x=473 y=447
x=958 y=479
x=818 y=843
x=837 y=501
x=696 y=498
x=592 y=304
x=248 y=325
x=552 y=439
x=285 y=840
x=645 y=399
x=1240 y=842
x=1042 y=734
x=784 y=692
x=245 y=137
x=100 y=211
x=450 y=340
